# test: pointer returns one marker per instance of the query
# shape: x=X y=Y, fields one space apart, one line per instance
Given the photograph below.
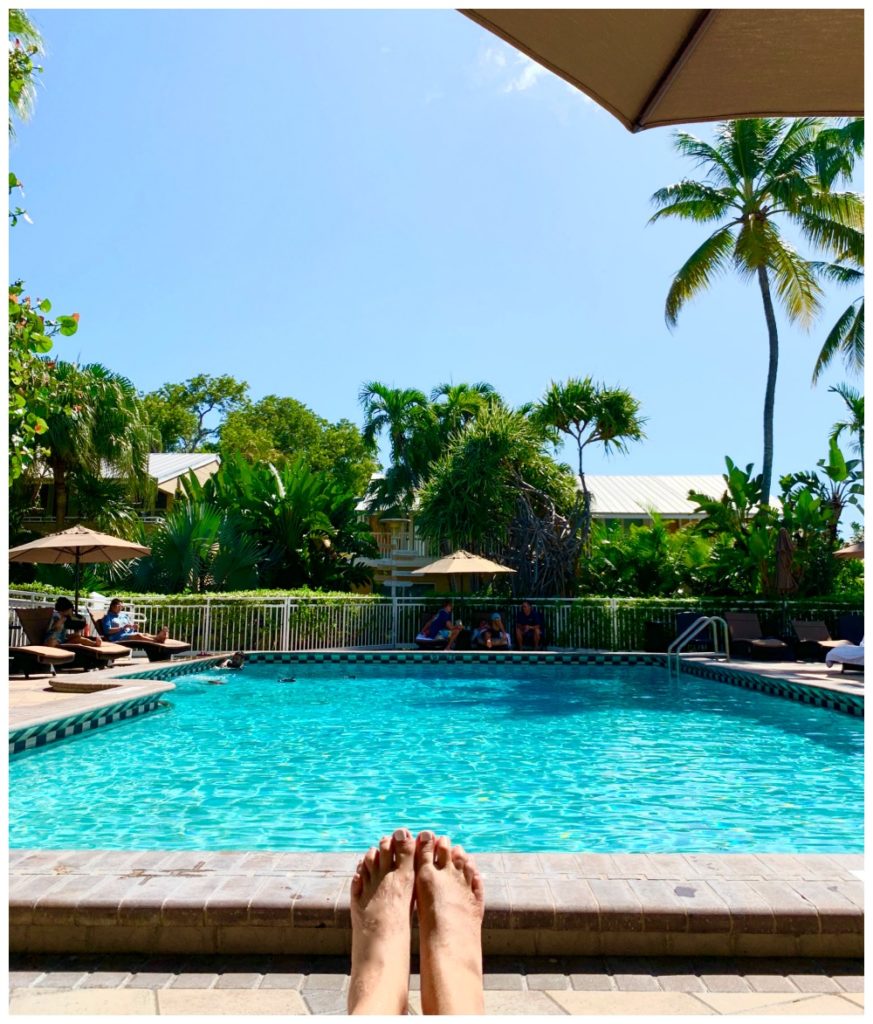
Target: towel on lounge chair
x=851 y=656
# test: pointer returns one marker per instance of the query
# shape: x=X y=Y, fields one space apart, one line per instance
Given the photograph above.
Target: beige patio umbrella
x=659 y=66
x=851 y=551
x=74 y=546
x=461 y=563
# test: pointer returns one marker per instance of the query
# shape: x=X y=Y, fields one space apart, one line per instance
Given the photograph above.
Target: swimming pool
x=508 y=757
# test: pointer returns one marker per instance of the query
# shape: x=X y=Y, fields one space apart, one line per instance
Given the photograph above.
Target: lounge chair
x=814 y=640
x=35 y=623
x=747 y=640
x=37 y=659
x=850 y=657
x=154 y=650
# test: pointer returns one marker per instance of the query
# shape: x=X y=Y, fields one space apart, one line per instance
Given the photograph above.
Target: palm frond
x=831 y=236
x=795 y=281
x=698 y=271
x=692 y=200
x=845 y=337
x=706 y=156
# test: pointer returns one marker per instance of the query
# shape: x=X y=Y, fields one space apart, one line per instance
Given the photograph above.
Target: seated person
x=66 y=627
x=441 y=627
x=529 y=625
x=117 y=625
x=482 y=634
x=497 y=632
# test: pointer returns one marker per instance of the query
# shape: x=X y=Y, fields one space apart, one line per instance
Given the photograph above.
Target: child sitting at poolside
x=66 y=628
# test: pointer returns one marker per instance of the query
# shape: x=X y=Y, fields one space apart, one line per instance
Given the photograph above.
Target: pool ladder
x=713 y=622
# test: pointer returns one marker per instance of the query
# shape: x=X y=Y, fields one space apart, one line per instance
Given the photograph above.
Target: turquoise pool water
x=504 y=757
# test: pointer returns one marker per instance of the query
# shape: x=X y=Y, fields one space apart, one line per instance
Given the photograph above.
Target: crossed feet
x=442 y=882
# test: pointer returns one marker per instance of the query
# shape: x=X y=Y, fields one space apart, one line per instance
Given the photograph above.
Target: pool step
x=536 y=904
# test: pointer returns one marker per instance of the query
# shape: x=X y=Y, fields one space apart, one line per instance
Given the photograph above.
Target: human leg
x=451 y=902
x=381 y=907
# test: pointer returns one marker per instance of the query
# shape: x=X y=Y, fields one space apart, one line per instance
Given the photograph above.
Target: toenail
x=401 y=833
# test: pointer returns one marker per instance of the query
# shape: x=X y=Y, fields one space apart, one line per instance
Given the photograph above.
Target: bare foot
x=451 y=903
x=381 y=904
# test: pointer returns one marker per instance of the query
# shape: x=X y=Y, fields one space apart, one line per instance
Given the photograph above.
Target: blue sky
x=311 y=199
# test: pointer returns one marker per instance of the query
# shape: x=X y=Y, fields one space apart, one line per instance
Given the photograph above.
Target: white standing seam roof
x=168 y=465
x=632 y=497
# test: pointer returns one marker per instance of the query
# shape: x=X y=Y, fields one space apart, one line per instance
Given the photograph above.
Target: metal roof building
x=632 y=497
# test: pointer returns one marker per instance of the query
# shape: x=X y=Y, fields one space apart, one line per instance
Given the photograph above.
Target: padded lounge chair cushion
x=44 y=655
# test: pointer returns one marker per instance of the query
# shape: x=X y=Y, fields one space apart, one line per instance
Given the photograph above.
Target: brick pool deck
x=225 y=906
x=304 y=985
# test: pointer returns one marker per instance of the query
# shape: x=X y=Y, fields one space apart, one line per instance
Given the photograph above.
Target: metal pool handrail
x=674 y=651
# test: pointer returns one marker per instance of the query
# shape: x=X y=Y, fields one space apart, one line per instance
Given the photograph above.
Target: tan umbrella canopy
x=458 y=562
x=74 y=546
x=652 y=67
x=852 y=551
x=461 y=563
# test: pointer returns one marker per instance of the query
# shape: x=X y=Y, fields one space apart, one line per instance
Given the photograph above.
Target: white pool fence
x=292 y=622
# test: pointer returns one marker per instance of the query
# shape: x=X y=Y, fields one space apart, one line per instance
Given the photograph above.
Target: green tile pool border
x=24 y=741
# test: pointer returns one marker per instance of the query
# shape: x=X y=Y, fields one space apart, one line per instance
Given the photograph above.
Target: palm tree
x=457 y=404
x=854 y=424
x=95 y=423
x=591 y=414
x=412 y=427
x=759 y=172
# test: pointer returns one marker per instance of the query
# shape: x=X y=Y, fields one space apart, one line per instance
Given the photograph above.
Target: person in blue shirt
x=441 y=627
x=117 y=625
x=529 y=625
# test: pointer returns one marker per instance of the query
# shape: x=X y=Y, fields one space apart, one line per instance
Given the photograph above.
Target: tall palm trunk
x=586 y=506
x=770 y=393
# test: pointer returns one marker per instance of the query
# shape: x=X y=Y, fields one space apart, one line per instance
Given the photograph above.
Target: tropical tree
x=591 y=414
x=197 y=547
x=761 y=172
x=305 y=523
x=412 y=428
x=456 y=404
x=496 y=491
x=180 y=411
x=94 y=421
x=280 y=429
x=854 y=422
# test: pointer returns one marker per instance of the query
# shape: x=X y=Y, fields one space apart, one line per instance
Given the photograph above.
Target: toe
x=424 y=849
x=370 y=863
x=459 y=857
x=385 y=861
x=404 y=849
x=442 y=851
x=357 y=886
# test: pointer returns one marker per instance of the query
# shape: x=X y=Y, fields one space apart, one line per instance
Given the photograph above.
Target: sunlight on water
x=509 y=757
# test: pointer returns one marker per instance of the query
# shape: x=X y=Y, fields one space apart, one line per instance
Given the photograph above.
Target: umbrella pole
x=76 y=602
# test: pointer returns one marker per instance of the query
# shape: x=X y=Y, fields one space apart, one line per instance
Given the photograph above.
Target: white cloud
x=526 y=77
